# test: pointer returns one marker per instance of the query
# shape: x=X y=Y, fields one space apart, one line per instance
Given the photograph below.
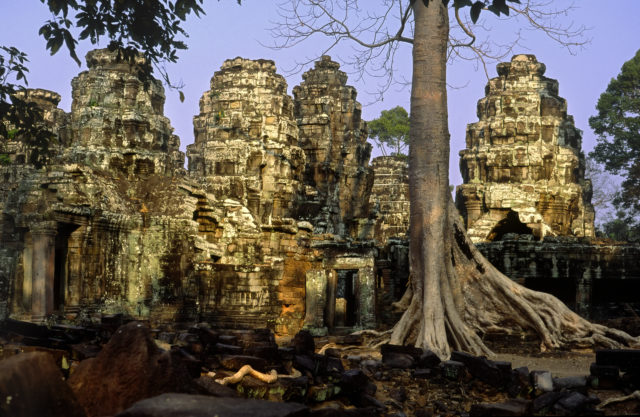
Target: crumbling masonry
x=279 y=220
x=269 y=226
x=523 y=168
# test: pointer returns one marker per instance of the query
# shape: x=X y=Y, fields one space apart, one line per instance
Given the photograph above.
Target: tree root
x=633 y=396
x=324 y=348
x=269 y=378
x=470 y=297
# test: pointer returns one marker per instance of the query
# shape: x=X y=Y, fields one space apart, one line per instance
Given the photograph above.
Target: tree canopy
x=390 y=131
x=617 y=125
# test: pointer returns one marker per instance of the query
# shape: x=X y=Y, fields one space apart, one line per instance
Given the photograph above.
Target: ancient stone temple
x=115 y=224
x=334 y=138
x=246 y=140
x=523 y=169
x=279 y=220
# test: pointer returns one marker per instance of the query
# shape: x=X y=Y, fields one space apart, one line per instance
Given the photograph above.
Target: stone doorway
x=61 y=265
x=510 y=224
x=345 y=300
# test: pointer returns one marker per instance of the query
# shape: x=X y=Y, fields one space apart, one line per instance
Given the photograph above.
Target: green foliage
x=622 y=228
x=19 y=120
x=496 y=7
x=391 y=131
x=617 y=125
x=132 y=27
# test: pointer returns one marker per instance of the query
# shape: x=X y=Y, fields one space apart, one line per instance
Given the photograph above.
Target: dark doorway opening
x=61 y=270
x=510 y=224
x=341 y=309
x=346 y=302
x=563 y=289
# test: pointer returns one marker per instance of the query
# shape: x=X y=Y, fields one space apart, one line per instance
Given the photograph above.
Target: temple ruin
x=269 y=227
x=279 y=221
x=523 y=167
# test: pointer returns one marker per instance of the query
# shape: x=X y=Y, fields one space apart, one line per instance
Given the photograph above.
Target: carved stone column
x=43 y=236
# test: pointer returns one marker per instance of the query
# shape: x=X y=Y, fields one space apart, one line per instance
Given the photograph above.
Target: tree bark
x=455 y=293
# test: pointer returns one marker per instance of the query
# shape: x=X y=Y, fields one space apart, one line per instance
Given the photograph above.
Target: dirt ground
x=559 y=364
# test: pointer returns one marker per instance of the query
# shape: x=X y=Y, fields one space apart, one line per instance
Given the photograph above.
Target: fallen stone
x=625 y=359
x=546 y=401
x=482 y=368
x=32 y=385
x=572 y=404
x=428 y=360
x=453 y=370
x=228 y=349
x=354 y=381
x=228 y=339
x=542 y=381
x=130 y=367
x=286 y=353
x=570 y=382
x=399 y=360
x=181 y=405
x=513 y=407
x=208 y=336
x=388 y=349
x=305 y=363
x=339 y=411
x=333 y=352
x=303 y=342
x=83 y=351
x=425 y=373
x=604 y=376
x=323 y=392
x=333 y=365
x=265 y=350
x=211 y=387
x=519 y=382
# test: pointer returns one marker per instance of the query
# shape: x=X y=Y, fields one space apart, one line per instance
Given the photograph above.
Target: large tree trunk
x=455 y=294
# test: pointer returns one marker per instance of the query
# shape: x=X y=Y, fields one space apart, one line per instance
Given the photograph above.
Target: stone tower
x=334 y=139
x=117 y=121
x=390 y=198
x=523 y=169
x=246 y=139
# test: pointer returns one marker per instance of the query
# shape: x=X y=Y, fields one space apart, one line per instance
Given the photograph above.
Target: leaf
x=181 y=94
x=462 y=3
x=475 y=10
x=499 y=6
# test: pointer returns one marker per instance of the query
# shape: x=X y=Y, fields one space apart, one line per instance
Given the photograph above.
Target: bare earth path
x=559 y=364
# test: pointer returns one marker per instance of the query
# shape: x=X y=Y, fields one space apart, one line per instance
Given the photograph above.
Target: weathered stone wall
x=390 y=198
x=112 y=225
x=246 y=140
x=585 y=275
x=117 y=120
x=334 y=138
x=523 y=166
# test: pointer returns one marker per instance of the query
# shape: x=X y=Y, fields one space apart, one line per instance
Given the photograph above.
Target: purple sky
x=229 y=30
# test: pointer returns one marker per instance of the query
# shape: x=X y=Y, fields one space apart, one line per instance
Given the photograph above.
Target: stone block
x=542 y=381
x=625 y=359
x=178 y=405
x=453 y=370
x=514 y=407
x=32 y=385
